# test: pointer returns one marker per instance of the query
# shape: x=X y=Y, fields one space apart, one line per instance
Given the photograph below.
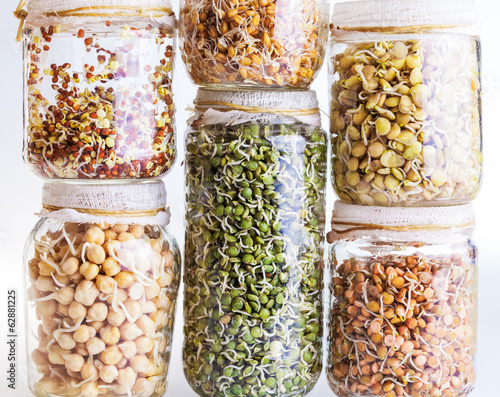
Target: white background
x=20 y=198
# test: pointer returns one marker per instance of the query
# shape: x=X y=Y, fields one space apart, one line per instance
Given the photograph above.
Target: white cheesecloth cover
x=135 y=203
x=419 y=224
x=73 y=10
x=373 y=14
x=239 y=107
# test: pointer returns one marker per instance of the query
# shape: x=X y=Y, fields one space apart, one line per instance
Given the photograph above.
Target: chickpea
x=86 y=293
x=82 y=334
x=128 y=348
x=70 y=266
x=147 y=326
x=63 y=309
x=111 y=267
x=81 y=349
x=137 y=231
x=48 y=385
x=96 y=253
x=110 y=335
x=46 y=308
x=124 y=279
x=89 y=371
x=111 y=355
x=139 y=364
x=120 y=228
x=95 y=235
x=89 y=270
x=136 y=291
x=116 y=317
x=111 y=246
x=125 y=237
x=105 y=284
x=152 y=291
x=97 y=312
x=73 y=362
x=122 y=363
x=143 y=387
x=38 y=357
x=89 y=389
x=95 y=346
x=45 y=284
x=108 y=373
x=144 y=344
x=121 y=296
x=133 y=307
x=149 y=307
x=130 y=331
x=65 y=295
x=55 y=355
x=77 y=311
x=156 y=244
x=97 y=325
x=66 y=341
x=44 y=268
x=126 y=377
x=76 y=277
x=62 y=280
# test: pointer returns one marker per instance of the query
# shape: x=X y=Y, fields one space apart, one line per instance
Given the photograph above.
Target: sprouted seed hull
x=255 y=217
x=265 y=44
x=402 y=322
x=406 y=121
x=101 y=303
x=99 y=100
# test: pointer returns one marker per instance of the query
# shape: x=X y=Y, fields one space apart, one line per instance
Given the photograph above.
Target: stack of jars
x=102 y=269
x=256 y=169
x=406 y=143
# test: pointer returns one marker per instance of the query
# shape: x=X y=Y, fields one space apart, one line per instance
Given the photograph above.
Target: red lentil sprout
x=97 y=105
x=424 y=343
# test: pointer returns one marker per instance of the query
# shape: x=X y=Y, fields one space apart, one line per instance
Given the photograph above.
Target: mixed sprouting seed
x=253 y=273
x=403 y=325
x=406 y=122
x=105 y=109
x=257 y=42
x=104 y=297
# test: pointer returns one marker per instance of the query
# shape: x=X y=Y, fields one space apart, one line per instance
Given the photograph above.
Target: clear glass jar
x=403 y=318
x=101 y=304
x=254 y=44
x=255 y=213
x=405 y=104
x=98 y=89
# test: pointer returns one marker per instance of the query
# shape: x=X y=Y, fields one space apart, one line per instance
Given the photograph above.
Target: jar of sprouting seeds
x=405 y=102
x=255 y=212
x=98 y=88
x=253 y=44
x=403 y=313
x=102 y=274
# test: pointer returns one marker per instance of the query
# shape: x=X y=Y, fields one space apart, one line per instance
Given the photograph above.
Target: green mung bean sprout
x=255 y=217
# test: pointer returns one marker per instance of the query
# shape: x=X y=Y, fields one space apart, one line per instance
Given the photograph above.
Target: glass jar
x=102 y=277
x=403 y=317
x=406 y=103
x=255 y=213
x=98 y=89
x=254 y=44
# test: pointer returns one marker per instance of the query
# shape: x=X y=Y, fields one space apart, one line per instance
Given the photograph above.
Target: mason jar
x=255 y=214
x=406 y=103
x=403 y=313
x=264 y=44
x=102 y=275
x=98 y=89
